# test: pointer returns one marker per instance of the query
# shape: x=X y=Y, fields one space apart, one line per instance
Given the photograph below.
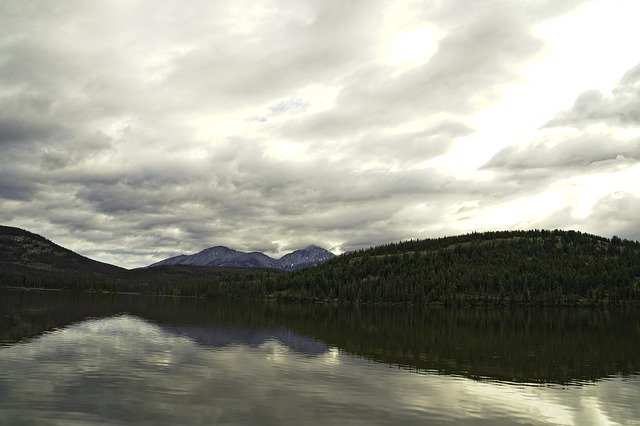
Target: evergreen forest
x=506 y=268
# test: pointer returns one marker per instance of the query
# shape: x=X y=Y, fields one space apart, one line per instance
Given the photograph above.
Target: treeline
x=183 y=281
x=496 y=268
x=539 y=267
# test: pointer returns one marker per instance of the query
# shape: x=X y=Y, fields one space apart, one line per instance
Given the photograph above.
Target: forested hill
x=31 y=254
x=494 y=268
x=510 y=267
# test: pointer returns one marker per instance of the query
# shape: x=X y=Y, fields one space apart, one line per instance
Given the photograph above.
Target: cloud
x=407 y=147
x=288 y=106
x=23 y=119
x=620 y=107
x=613 y=214
x=590 y=164
x=134 y=131
x=617 y=214
x=583 y=151
x=470 y=62
x=16 y=184
x=268 y=55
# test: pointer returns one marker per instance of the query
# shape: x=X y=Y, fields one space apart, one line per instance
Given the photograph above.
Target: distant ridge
x=221 y=256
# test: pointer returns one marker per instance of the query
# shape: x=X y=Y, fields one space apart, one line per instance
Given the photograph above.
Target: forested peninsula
x=506 y=268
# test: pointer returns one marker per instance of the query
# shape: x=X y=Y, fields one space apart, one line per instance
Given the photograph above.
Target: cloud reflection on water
x=123 y=369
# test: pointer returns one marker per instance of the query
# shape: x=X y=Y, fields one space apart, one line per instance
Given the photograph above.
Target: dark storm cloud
x=14 y=131
x=24 y=118
x=245 y=187
x=16 y=184
x=620 y=107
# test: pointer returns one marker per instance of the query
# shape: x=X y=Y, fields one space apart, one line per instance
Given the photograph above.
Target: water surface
x=88 y=359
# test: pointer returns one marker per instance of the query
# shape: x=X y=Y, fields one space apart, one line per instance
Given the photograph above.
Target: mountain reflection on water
x=537 y=346
x=220 y=337
x=80 y=358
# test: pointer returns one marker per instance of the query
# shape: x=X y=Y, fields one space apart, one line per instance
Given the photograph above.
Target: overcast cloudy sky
x=131 y=131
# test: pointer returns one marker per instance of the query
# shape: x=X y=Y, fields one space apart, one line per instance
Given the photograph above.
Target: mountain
x=303 y=258
x=505 y=268
x=220 y=256
x=23 y=251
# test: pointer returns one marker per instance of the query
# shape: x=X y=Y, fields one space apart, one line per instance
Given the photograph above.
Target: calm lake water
x=88 y=359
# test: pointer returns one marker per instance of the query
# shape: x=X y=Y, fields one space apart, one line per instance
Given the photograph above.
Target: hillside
x=29 y=253
x=494 y=268
x=509 y=267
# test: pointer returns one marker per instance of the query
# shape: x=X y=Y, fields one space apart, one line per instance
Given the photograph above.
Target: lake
x=70 y=358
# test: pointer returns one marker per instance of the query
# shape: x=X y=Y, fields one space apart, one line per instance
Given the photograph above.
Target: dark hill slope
x=23 y=251
x=494 y=268
x=510 y=267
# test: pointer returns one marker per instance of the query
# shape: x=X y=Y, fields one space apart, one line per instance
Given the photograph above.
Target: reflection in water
x=168 y=361
x=124 y=369
x=562 y=346
x=219 y=337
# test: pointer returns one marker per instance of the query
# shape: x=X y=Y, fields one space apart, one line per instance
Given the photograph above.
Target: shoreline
x=275 y=298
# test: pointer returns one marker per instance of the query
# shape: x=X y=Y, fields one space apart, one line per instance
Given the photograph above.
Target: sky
x=131 y=131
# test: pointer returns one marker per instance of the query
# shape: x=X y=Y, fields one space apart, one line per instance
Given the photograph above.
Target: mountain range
x=220 y=256
x=24 y=251
x=497 y=268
